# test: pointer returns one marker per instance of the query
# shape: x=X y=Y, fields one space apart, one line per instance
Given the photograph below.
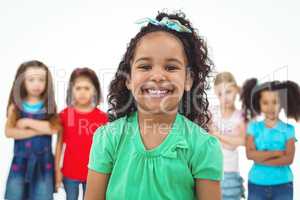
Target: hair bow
x=166 y=22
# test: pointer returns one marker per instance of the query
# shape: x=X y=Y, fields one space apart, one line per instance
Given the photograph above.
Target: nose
x=270 y=109
x=158 y=74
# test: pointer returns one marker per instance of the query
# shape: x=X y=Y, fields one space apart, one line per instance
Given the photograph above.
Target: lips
x=37 y=91
x=157 y=92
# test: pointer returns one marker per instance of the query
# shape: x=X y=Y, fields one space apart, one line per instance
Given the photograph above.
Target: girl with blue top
x=270 y=142
x=154 y=147
x=31 y=120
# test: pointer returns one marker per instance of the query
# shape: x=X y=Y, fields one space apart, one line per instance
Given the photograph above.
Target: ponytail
x=248 y=105
x=290 y=100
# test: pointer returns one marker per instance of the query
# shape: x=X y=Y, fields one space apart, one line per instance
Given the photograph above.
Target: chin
x=158 y=110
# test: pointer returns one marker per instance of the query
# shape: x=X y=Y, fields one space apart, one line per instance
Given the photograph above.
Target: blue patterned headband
x=166 y=22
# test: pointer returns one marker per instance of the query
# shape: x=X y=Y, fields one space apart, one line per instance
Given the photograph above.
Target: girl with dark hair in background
x=79 y=121
x=270 y=142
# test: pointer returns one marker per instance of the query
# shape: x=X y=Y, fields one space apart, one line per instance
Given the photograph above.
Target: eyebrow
x=169 y=60
x=174 y=60
x=142 y=59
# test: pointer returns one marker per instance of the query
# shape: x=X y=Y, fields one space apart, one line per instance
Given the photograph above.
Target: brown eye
x=171 y=67
x=144 y=67
x=228 y=92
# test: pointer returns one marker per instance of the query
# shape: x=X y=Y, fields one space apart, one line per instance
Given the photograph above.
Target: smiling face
x=158 y=73
x=270 y=104
x=83 y=91
x=226 y=93
x=35 y=81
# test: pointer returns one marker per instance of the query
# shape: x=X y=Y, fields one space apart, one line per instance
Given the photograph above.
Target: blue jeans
x=72 y=188
x=232 y=186
x=271 y=192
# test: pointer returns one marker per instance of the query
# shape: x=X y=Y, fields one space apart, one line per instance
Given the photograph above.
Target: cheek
x=135 y=86
x=75 y=93
x=262 y=108
x=91 y=93
x=43 y=85
x=232 y=96
x=277 y=108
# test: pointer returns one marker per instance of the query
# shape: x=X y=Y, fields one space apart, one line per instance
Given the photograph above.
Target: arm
x=286 y=159
x=207 y=189
x=18 y=134
x=232 y=141
x=259 y=156
x=11 y=131
x=96 y=186
x=58 y=155
x=41 y=126
x=215 y=132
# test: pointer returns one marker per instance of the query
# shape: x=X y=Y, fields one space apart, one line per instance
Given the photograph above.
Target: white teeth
x=157 y=92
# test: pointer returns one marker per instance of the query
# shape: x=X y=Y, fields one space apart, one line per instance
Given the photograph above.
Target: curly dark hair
x=194 y=103
x=289 y=94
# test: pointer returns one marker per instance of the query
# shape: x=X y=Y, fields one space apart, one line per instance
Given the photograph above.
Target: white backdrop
x=250 y=39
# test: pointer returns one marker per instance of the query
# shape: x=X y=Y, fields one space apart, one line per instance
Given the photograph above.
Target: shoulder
x=256 y=124
x=286 y=127
x=64 y=113
x=101 y=113
x=196 y=136
x=112 y=132
x=65 y=110
x=11 y=108
x=215 y=113
x=239 y=114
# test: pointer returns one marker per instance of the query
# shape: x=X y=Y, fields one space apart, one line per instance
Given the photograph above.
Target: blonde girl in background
x=229 y=127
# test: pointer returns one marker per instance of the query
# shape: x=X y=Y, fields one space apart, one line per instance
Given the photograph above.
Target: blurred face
x=270 y=104
x=158 y=73
x=35 y=81
x=83 y=91
x=226 y=93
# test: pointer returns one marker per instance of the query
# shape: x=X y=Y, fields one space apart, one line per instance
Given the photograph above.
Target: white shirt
x=226 y=127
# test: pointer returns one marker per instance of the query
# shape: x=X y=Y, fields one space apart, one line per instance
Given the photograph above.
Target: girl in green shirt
x=154 y=147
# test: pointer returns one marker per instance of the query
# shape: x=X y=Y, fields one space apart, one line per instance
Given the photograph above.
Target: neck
x=84 y=108
x=161 y=123
x=32 y=99
x=271 y=122
x=225 y=112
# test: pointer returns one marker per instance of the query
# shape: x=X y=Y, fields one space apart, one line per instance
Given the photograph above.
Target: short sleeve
x=207 y=160
x=251 y=128
x=101 y=154
x=62 y=117
x=290 y=134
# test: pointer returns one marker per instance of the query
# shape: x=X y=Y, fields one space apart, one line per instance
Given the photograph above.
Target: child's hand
x=214 y=130
x=23 y=123
x=58 y=179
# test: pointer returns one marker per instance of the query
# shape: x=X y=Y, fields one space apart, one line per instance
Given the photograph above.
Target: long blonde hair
x=225 y=77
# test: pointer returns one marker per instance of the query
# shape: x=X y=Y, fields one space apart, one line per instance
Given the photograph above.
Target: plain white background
x=249 y=38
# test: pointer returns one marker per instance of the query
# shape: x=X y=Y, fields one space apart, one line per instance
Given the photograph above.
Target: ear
x=189 y=81
x=128 y=83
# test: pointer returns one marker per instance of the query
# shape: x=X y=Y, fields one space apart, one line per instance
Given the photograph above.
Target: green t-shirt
x=165 y=172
